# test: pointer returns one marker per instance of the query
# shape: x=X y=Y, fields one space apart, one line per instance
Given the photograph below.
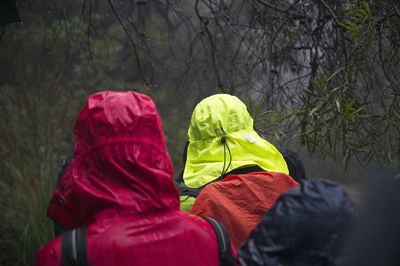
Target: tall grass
x=31 y=150
x=23 y=203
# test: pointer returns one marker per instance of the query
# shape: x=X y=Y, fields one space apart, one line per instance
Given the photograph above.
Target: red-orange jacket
x=240 y=201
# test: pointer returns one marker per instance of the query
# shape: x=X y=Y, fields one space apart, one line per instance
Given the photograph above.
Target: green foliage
x=27 y=166
x=348 y=108
x=361 y=23
x=266 y=121
x=334 y=121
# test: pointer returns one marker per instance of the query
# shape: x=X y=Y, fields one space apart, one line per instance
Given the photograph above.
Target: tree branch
x=332 y=13
x=134 y=45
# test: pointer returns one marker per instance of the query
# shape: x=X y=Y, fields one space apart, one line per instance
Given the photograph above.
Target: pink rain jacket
x=120 y=186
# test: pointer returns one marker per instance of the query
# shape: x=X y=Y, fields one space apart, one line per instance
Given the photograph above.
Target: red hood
x=120 y=161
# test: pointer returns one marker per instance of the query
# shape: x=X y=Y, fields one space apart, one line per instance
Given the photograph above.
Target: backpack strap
x=224 y=242
x=73 y=247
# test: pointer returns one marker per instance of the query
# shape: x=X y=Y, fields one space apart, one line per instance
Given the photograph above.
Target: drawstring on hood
x=226 y=146
x=215 y=120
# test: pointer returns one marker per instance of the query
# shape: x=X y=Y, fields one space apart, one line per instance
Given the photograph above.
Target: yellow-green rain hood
x=225 y=115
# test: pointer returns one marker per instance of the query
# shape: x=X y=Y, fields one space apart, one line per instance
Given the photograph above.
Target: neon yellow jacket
x=213 y=118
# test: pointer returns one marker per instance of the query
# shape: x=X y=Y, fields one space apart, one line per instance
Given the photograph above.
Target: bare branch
x=265 y=3
x=332 y=14
x=134 y=45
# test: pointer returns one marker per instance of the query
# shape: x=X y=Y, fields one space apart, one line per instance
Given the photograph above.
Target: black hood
x=304 y=227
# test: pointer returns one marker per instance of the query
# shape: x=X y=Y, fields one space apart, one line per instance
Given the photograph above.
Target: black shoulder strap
x=224 y=243
x=73 y=247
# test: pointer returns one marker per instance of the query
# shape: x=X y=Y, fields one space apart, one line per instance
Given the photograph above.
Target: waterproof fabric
x=305 y=227
x=240 y=201
x=225 y=116
x=187 y=202
x=120 y=186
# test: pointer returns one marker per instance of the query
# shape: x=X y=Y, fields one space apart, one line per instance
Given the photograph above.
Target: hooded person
x=306 y=226
x=119 y=191
x=231 y=174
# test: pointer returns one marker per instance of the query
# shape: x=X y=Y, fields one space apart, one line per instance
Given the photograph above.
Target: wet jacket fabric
x=306 y=226
x=240 y=201
x=119 y=185
x=221 y=138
